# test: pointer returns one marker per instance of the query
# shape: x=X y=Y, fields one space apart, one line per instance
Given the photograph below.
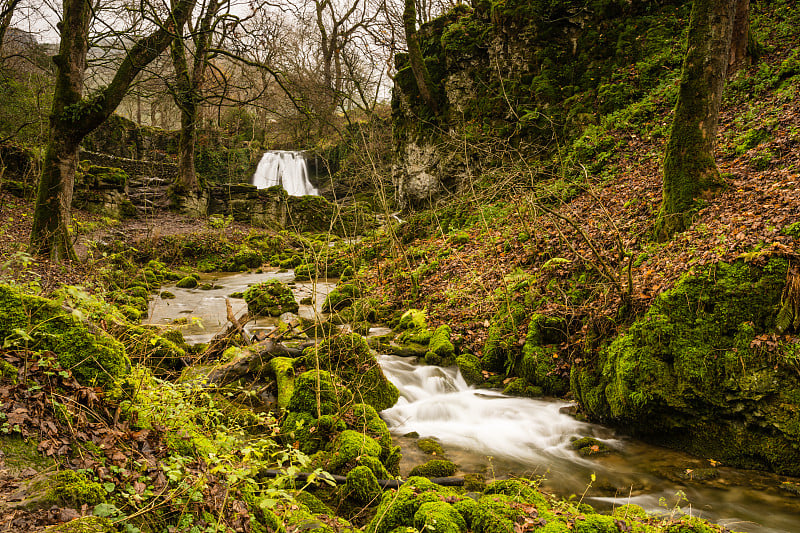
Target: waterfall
x=287 y=169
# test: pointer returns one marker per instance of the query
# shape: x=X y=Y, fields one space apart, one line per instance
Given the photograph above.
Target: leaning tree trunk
x=73 y=117
x=52 y=215
x=690 y=171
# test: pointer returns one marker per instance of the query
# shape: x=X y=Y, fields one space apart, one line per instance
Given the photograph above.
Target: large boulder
x=696 y=373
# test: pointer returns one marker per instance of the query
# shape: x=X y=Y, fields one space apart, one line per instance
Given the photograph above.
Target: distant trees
x=73 y=116
x=690 y=170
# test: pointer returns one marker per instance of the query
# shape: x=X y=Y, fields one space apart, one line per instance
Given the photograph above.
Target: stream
x=501 y=436
x=486 y=432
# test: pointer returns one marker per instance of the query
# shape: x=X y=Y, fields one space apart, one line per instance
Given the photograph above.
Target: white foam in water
x=287 y=169
x=437 y=402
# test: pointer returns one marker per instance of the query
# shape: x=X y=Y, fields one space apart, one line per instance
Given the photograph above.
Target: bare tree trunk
x=740 y=37
x=690 y=170
x=421 y=74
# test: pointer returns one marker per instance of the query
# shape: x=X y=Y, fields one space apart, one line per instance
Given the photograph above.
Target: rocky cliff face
x=523 y=77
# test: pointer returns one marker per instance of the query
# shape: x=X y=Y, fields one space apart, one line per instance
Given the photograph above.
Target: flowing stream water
x=485 y=431
x=288 y=169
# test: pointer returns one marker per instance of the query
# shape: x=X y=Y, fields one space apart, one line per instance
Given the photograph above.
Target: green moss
x=590 y=447
x=93 y=356
x=496 y=514
x=283 y=367
x=500 y=351
x=466 y=507
x=687 y=375
x=630 y=510
x=144 y=345
x=349 y=358
x=519 y=490
x=245 y=258
x=71 y=489
x=270 y=298
x=470 y=367
x=8 y=371
x=435 y=468
x=431 y=447
x=364 y=418
x=344 y=295
x=351 y=449
x=398 y=507
x=84 y=524
x=440 y=349
x=521 y=387
x=315 y=393
x=440 y=517
x=189 y=282
x=362 y=486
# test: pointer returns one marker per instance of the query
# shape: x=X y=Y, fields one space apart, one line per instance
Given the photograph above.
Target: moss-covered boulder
x=348 y=357
x=435 y=468
x=245 y=258
x=440 y=517
x=351 y=449
x=93 y=356
x=362 y=485
x=398 y=507
x=470 y=367
x=84 y=524
x=316 y=393
x=540 y=363
x=441 y=351
x=691 y=374
x=344 y=295
x=188 y=282
x=270 y=298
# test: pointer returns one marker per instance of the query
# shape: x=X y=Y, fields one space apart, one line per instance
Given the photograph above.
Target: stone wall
x=135 y=168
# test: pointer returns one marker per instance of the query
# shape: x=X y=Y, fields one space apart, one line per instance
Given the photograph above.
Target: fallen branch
x=383 y=483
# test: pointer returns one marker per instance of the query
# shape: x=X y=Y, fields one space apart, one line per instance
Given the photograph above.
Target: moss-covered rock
x=590 y=447
x=188 y=282
x=270 y=298
x=71 y=489
x=440 y=517
x=351 y=449
x=344 y=295
x=521 y=387
x=441 y=351
x=93 y=356
x=397 y=508
x=348 y=357
x=316 y=394
x=362 y=485
x=84 y=524
x=689 y=375
x=501 y=348
x=470 y=367
x=245 y=258
x=435 y=468
x=431 y=447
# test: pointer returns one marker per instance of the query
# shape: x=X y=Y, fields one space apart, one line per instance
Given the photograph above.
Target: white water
x=287 y=169
x=485 y=430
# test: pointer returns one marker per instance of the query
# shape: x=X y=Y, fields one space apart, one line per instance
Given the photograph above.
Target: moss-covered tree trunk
x=690 y=170
x=73 y=116
x=421 y=74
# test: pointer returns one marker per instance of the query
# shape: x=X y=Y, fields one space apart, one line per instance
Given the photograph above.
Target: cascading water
x=287 y=169
x=482 y=429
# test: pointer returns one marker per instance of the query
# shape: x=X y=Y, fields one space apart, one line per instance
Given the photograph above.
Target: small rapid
x=502 y=436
